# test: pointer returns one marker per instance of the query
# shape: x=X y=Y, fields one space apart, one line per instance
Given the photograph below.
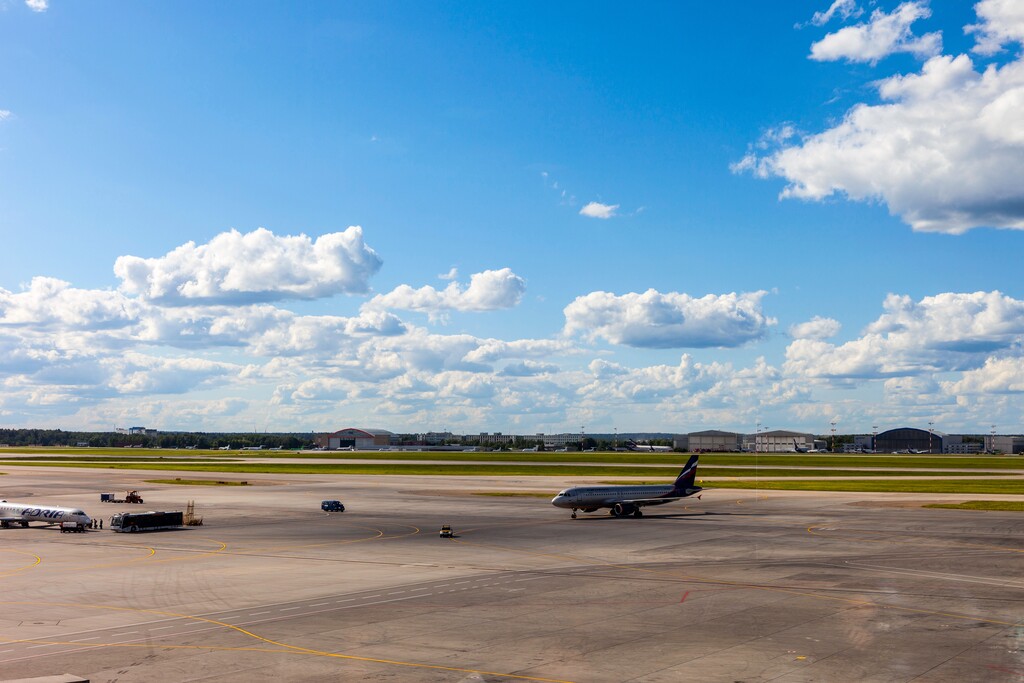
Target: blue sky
x=512 y=217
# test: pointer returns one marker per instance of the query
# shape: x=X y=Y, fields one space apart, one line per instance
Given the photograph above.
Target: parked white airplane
x=627 y=500
x=23 y=513
x=646 y=447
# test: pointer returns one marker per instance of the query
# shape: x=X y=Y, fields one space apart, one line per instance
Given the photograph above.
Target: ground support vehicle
x=446 y=531
x=132 y=522
x=129 y=497
x=332 y=506
x=71 y=527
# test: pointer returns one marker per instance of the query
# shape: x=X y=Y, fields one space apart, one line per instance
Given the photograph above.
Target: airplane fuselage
x=22 y=513
x=627 y=500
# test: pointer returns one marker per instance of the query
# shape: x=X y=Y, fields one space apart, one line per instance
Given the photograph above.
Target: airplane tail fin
x=688 y=477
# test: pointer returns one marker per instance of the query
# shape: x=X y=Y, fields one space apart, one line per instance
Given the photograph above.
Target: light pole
x=992 y=441
x=615 y=443
x=833 y=437
x=874 y=435
x=931 y=423
x=757 y=437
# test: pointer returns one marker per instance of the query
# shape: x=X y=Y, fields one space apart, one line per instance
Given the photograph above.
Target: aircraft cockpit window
x=78 y=512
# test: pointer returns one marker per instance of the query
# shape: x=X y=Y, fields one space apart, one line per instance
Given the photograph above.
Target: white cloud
x=1001 y=22
x=942 y=333
x=5 y=114
x=528 y=368
x=254 y=267
x=37 y=5
x=996 y=376
x=670 y=320
x=945 y=154
x=845 y=9
x=599 y=210
x=137 y=373
x=816 y=328
x=452 y=274
x=883 y=35
x=49 y=302
x=487 y=291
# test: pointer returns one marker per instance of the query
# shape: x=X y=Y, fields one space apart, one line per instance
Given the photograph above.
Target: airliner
x=627 y=500
x=23 y=513
x=646 y=447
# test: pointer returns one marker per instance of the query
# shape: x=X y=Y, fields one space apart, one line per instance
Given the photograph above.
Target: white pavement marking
x=126 y=633
x=318 y=604
x=398 y=592
x=32 y=647
x=288 y=609
x=82 y=639
x=160 y=628
x=253 y=614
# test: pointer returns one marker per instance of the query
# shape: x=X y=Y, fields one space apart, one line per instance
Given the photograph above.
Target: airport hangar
x=351 y=437
x=911 y=438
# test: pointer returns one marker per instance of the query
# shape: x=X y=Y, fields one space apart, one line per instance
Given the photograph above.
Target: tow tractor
x=446 y=531
x=129 y=497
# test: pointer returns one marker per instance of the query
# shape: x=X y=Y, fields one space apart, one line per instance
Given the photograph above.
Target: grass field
x=875 y=486
x=667 y=459
x=1004 y=505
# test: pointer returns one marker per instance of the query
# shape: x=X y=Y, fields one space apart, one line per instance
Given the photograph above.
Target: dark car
x=332 y=506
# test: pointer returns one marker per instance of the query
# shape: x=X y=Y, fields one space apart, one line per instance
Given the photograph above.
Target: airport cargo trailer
x=146 y=521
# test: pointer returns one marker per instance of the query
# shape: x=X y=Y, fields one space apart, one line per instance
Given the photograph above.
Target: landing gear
x=638 y=513
x=574 y=513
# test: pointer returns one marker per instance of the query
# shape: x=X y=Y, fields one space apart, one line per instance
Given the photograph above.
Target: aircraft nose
x=557 y=501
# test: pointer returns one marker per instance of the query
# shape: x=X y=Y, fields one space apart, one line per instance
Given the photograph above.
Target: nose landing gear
x=574 y=513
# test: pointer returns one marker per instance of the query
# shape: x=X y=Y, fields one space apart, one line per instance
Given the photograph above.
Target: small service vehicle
x=446 y=531
x=72 y=527
x=332 y=506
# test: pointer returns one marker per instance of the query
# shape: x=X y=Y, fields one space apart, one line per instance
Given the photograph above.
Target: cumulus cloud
x=236 y=268
x=1001 y=22
x=137 y=373
x=528 y=368
x=668 y=320
x=945 y=155
x=816 y=328
x=37 y=5
x=487 y=291
x=883 y=35
x=49 y=302
x=5 y=114
x=996 y=376
x=599 y=210
x=941 y=333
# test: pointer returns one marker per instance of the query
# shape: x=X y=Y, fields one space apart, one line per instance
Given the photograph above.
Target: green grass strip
x=877 y=486
x=813 y=460
x=1006 y=505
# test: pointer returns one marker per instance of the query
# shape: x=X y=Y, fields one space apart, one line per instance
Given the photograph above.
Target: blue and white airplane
x=23 y=513
x=627 y=500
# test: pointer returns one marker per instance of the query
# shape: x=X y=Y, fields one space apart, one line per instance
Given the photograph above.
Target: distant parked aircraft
x=646 y=447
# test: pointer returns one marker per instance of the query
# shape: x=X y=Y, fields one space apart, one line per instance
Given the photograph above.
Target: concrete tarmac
x=738 y=586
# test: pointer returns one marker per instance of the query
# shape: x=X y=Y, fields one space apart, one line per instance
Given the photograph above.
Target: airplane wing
x=650 y=501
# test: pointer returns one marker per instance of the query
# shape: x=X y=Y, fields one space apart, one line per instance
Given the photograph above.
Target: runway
x=739 y=586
